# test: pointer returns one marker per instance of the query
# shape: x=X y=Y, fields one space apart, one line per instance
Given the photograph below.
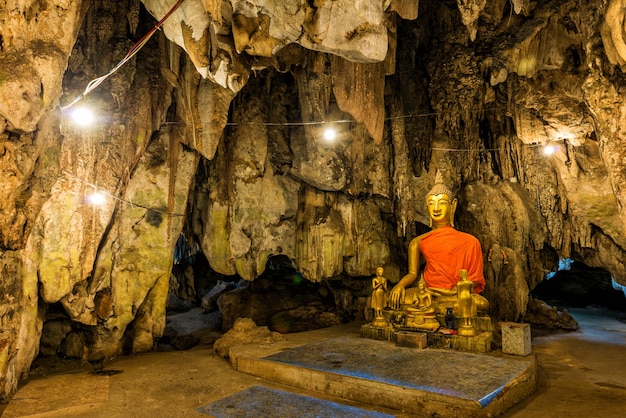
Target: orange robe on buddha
x=446 y=252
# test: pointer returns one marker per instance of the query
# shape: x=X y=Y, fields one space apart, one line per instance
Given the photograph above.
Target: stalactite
x=359 y=89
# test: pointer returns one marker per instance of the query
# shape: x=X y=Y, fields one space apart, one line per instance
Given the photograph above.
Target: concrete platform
x=424 y=382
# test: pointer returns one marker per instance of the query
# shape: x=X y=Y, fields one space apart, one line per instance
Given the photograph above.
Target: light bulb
x=549 y=149
x=330 y=134
x=96 y=198
x=82 y=116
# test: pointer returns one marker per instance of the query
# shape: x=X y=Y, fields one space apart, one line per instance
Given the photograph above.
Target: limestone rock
x=52 y=335
x=177 y=341
x=321 y=238
x=209 y=301
x=506 y=286
x=541 y=314
x=260 y=306
x=213 y=102
x=24 y=160
x=406 y=9
x=37 y=39
x=286 y=302
x=356 y=31
x=613 y=32
x=470 y=10
x=605 y=102
x=359 y=89
x=245 y=331
x=252 y=208
x=72 y=346
x=303 y=318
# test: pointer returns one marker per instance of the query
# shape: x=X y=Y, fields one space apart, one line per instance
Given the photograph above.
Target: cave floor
x=580 y=374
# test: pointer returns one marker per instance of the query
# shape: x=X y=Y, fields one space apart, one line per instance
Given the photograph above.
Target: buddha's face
x=440 y=209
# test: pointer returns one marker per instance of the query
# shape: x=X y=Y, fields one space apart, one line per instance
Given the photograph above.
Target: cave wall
x=216 y=119
x=107 y=265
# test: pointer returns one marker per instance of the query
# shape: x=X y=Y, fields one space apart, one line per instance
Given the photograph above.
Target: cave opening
x=589 y=294
x=192 y=314
x=576 y=285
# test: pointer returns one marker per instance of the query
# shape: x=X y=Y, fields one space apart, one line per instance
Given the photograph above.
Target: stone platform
x=424 y=382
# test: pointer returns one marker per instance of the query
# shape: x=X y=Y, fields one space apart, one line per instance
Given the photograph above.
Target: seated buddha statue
x=445 y=251
x=421 y=314
x=422 y=300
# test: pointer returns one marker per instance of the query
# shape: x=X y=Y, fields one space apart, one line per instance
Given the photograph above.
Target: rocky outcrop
x=217 y=34
x=612 y=32
x=220 y=120
x=243 y=332
x=543 y=315
x=37 y=38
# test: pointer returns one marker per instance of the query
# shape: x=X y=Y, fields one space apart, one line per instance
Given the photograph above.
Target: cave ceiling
x=213 y=130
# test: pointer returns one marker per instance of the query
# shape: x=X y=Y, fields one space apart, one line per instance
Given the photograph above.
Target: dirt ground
x=581 y=374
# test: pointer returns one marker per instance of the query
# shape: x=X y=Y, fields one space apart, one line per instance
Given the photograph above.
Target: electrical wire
x=416 y=115
x=465 y=149
x=119 y=199
x=129 y=55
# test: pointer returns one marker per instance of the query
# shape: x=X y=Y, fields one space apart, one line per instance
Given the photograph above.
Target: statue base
x=466 y=331
x=411 y=339
x=437 y=336
x=421 y=320
x=380 y=322
x=377 y=333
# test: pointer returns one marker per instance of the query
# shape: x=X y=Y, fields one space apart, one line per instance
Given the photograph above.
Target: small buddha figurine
x=379 y=296
x=422 y=300
x=421 y=313
x=446 y=252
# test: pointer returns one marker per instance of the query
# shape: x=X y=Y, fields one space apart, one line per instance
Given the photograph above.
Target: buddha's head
x=441 y=204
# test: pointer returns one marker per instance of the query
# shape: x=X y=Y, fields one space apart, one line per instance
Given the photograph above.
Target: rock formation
x=215 y=126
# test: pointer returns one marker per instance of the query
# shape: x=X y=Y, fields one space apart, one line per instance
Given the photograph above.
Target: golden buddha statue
x=446 y=252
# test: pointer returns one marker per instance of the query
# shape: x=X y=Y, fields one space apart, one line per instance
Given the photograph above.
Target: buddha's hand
x=396 y=296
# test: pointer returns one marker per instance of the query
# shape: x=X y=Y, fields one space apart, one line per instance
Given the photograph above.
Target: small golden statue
x=421 y=314
x=467 y=307
x=379 y=298
x=423 y=299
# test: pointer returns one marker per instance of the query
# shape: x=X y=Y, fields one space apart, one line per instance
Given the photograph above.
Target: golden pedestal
x=476 y=338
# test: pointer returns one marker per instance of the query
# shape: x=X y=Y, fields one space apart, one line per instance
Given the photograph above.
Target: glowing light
x=330 y=134
x=297 y=279
x=96 y=199
x=549 y=149
x=82 y=116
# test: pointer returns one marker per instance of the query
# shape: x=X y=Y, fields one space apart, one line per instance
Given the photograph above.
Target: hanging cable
x=131 y=53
